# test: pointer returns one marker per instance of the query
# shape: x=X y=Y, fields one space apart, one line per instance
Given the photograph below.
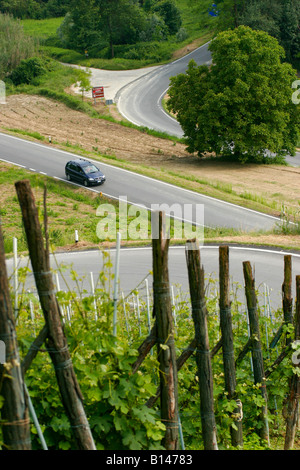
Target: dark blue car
x=84 y=172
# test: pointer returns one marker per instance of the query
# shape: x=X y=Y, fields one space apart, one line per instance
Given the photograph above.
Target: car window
x=90 y=169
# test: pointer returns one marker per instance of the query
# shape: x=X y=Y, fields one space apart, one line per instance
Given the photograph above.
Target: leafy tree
x=95 y=24
x=35 y=9
x=170 y=14
x=79 y=29
x=120 y=21
x=289 y=29
x=279 y=18
x=242 y=105
x=29 y=69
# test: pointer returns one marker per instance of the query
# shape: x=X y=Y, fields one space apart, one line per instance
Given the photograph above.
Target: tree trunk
x=14 y=413
x=162 y=310
x=203 y=359
x=56 y=340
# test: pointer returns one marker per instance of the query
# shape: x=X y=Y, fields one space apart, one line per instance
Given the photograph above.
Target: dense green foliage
x=94 y=25
x=279 y=18
x=30 y=70
x=35 y=9
x=15 y=45
x=115 y=399
x=242 y=105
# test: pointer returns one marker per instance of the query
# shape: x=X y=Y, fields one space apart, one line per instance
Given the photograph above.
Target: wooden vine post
x=256 y=349
x=14 y=414
x=227 y=345
x=287 y=299
x=162 y=310
x=203 y=355
x=294 y=395
x=287 y=302
x=56 y=340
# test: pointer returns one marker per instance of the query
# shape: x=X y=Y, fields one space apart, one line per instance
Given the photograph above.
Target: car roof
x=80 y=161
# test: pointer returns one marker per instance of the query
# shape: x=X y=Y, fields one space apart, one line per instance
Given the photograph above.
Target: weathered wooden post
x=56 y=340
x=15 y=412
x=293 y=399
x=287 y=299
x=257 y=356
x=287 y=302
x=162 y=310
x=203 y=356
x=227 y=344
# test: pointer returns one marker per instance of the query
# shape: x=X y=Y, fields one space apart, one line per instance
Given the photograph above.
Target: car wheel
x=85 y=183
x=68 y=177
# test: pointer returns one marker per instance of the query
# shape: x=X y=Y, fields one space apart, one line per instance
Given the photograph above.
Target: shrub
x=28 y=70
x=15 y=45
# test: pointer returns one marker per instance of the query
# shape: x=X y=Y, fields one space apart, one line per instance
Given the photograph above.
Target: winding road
x=147 y=91
x=139 y=100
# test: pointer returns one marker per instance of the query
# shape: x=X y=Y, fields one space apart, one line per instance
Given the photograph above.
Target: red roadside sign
x=98 y=92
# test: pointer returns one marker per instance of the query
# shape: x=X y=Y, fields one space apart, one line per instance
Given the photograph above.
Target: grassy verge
x=69 y=208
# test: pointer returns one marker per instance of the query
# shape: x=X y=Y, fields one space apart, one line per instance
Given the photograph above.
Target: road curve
x=136 y=264
x=140 y=101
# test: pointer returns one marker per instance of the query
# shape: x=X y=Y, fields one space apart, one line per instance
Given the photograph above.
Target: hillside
x=130 y=148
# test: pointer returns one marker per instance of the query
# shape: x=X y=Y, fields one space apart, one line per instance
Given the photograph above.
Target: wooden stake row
x=16 y=431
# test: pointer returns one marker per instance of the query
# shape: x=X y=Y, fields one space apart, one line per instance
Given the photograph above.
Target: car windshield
x=90 y=169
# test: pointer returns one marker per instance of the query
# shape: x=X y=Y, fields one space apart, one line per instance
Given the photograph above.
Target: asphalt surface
x=146 y=93
x=136 y=189
x=136 y=264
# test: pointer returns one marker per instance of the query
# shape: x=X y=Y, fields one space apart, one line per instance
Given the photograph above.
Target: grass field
x=42 y=29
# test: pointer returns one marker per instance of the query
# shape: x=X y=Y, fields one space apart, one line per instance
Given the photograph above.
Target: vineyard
x=153 y=370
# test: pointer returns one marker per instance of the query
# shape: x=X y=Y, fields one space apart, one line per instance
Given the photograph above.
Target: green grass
x=34 y=135
x=189 y=21
x=42 y=29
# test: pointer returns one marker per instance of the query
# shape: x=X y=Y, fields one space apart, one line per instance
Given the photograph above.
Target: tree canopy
x=279 y=18
x=242 y=104
x=36 y=9
x=94 y=24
